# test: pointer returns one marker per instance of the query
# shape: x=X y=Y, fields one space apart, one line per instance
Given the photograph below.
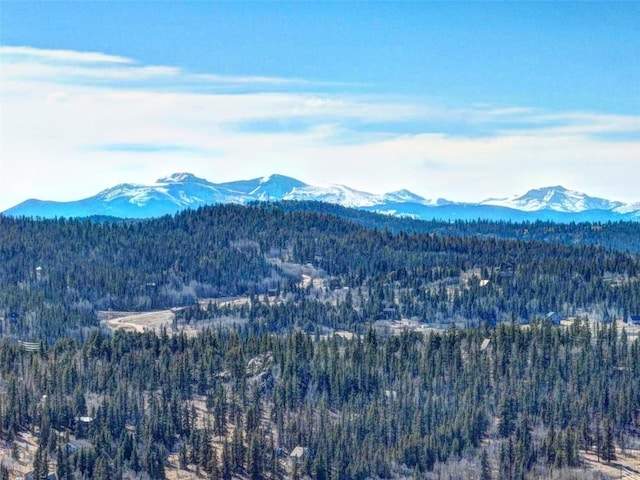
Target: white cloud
x=249 y=80
x=28 y=63
x=22 y=53
x=61 y=110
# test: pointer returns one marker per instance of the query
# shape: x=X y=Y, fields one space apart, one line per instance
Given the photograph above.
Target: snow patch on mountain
x=628 y=208
x=136 y=194
x=556 y=198
x=340 y=194
x=182 y=177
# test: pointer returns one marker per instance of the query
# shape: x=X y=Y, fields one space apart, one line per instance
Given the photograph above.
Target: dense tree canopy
x=54 y=274
x=276 y=374
x=370 y=406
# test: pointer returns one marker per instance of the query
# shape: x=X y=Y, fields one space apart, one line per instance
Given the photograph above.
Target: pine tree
x=525 y=454
x=63 y=470
x=219 y=411
x=182 y=457
x=101 y=470
x=237 y=450
x=227 y=461
x=608 y=447
x=485 y=467
x=40 y=464
x=507 y=457
x=507 y=414
x=212 y=466
x=254 y=459
x=155 y=463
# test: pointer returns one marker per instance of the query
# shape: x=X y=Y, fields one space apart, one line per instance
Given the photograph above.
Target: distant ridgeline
x=620 y=235
x=181 y=191
x=319 y=264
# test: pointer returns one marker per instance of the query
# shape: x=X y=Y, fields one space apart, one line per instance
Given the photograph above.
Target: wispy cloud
x=71 y=67
x=20 y=54
x=148 y=148
x=65 y=113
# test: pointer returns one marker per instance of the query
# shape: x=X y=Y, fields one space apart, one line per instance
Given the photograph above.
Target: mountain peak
x=278 y=179
x=268 y=178
x=550 y=190
x=403 y=195
x=556 y=198
x=181 y=177
x=271 y=187
x=182 y=190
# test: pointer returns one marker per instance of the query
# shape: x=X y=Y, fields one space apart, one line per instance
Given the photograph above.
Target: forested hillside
x=55 y=274
x=306 y=344
x=506 y=403
x=617 y=235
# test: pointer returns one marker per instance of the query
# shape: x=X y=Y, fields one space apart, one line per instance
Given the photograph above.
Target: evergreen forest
x=310 y=342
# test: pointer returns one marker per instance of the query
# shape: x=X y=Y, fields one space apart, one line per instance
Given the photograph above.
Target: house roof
x=298 y=452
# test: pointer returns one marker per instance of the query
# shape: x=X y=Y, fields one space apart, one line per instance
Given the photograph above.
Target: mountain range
x=180 y=191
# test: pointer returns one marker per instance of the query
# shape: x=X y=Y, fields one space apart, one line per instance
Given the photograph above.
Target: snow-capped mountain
x=557 y=198
x=628 y=208
x=402 y=196
x=180 y=191
x=272 y=187
x=339 y=194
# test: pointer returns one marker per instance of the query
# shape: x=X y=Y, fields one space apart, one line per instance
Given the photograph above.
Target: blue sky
x=449 y=99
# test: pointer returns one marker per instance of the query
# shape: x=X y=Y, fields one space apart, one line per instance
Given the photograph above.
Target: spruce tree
x=485 y=466
x=608 y=447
